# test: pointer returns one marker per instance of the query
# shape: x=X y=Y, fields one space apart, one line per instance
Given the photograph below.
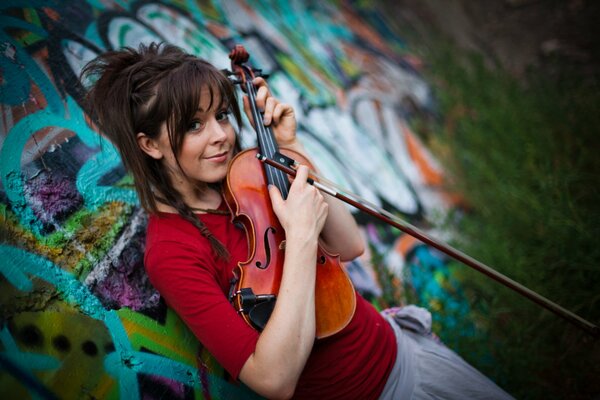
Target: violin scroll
x=238 y=57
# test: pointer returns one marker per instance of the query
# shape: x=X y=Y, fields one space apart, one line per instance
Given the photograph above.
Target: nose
x=219 y=132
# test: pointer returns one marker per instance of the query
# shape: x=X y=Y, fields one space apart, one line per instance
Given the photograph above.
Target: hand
x=304 y=212
x=279 y=116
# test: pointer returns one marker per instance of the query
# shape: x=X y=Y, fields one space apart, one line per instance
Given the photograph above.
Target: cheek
x=232 y=137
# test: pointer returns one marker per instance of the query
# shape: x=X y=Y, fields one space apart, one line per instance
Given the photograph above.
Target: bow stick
x=285 y=164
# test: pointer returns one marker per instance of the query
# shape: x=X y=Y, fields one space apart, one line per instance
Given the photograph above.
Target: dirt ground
x=514 y=34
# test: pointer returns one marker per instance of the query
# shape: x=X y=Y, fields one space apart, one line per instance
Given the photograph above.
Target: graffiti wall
x=78 y=317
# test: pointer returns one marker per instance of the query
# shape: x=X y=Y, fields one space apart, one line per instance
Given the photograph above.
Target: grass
x=523 y=154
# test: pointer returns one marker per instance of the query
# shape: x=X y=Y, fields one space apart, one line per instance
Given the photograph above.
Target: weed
x=523 y=153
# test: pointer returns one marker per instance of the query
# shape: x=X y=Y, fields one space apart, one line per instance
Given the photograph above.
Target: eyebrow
x=223 y=106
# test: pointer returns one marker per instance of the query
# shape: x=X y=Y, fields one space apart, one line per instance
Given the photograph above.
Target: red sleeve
x=188 y=284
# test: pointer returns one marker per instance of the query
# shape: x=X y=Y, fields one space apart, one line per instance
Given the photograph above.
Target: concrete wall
x=78 y=316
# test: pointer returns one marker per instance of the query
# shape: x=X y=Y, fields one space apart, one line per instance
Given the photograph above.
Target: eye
x=222 y=115
x=196 y=125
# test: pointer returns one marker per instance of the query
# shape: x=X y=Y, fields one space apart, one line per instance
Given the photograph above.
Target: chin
x=217 y=178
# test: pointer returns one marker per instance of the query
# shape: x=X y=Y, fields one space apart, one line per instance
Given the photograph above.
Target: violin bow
x=287 y=165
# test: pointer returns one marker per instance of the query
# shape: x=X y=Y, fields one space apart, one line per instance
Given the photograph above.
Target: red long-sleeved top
x=353 y=363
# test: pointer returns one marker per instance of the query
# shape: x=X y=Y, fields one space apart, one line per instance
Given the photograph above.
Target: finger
x=262 y=93
x=270 y=106
x=276 y=199
x=260 y=82
x=302 y=172
x=280 y=110
x=301 y=175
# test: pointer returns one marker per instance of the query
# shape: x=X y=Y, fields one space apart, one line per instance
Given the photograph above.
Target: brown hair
x=139 y=90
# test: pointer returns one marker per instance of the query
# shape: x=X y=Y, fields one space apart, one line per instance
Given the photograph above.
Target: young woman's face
x=207 y=147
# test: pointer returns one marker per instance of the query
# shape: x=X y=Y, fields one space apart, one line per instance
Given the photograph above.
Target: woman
x=170 y=116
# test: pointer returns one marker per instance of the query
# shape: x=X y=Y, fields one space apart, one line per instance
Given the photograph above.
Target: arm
x=284 y=345
x=340 y=234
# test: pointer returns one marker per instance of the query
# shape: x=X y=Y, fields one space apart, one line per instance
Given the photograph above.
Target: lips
x=219 y=157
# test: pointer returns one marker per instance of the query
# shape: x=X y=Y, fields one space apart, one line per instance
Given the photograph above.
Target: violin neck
x=267 y=144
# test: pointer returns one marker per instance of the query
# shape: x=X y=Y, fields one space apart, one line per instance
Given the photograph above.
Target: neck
x=198 y=200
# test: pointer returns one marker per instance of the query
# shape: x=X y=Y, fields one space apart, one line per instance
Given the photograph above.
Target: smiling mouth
x=218 y=156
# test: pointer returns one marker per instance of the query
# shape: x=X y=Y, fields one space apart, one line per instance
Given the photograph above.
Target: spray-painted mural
x=78 y=316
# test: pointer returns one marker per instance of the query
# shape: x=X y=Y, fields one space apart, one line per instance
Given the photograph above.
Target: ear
x=149 y=146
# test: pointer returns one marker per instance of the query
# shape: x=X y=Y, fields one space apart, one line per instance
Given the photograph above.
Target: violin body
x=258 y=279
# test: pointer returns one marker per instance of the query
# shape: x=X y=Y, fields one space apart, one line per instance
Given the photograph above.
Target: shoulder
x=166 y=224
x=166 y=229
x=172 y=242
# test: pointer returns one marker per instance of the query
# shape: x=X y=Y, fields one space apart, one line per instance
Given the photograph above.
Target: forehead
x=210 y=98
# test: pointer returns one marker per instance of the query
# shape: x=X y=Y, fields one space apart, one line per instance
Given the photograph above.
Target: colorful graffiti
x=78 y=316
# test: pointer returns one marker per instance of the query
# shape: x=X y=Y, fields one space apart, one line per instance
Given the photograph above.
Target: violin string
x=259 y=127
x=257 y=120
x=267 y=141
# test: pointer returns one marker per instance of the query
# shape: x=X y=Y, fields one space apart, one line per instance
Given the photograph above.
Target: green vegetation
x=524 y=156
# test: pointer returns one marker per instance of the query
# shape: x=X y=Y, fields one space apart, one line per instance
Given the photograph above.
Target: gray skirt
x=426 y=369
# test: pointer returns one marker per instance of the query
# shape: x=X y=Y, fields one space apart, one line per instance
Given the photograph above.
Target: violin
x=257 y=280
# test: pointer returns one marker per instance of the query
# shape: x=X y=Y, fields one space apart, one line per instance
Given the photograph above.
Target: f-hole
x=267 y=248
